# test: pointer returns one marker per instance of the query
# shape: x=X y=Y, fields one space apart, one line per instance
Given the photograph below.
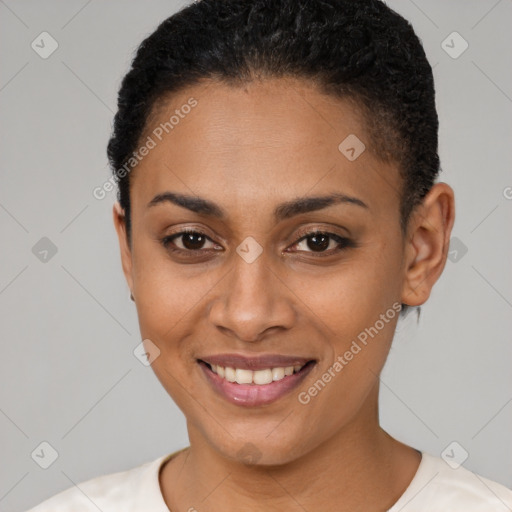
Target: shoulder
x=111 y=492
x=438 y=486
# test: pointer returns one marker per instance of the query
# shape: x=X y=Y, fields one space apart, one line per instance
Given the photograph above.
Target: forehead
x=264 y=141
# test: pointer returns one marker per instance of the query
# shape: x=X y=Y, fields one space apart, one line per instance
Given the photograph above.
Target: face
x=268 y=276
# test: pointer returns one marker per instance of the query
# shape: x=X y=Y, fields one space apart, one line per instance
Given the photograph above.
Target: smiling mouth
x=256 y=377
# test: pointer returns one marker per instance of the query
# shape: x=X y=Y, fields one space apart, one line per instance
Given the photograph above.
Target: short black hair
x=357 y=49
x=360 y=50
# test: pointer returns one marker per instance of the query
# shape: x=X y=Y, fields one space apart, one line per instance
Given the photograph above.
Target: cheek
x=358 y=307
x=344 y=382
x=351 y=296
x=170 y=302
x=166 y=303
x=168 y=295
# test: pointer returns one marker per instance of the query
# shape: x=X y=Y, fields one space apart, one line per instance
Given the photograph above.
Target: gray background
x=68 y=329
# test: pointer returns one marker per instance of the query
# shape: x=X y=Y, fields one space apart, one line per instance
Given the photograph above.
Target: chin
x=261 y=451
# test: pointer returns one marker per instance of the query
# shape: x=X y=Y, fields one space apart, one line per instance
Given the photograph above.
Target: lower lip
x=254 y=395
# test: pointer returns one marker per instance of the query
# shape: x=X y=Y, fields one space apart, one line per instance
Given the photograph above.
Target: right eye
x=190 y=241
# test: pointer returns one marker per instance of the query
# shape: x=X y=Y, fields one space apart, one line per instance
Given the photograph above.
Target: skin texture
x=249 y=149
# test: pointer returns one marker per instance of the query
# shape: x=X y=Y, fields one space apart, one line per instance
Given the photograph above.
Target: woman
x=278 y=210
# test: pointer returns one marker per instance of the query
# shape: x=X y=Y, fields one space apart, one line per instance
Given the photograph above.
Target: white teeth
x=262 y=377
x=259 y=377
x=243 y=376
x=277 y=373
x=229 y=374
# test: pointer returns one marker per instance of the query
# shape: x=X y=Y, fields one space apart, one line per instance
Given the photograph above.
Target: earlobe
x=428 y=243
x=126 y=256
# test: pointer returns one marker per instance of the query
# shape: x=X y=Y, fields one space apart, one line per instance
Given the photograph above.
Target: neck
x=359 y=467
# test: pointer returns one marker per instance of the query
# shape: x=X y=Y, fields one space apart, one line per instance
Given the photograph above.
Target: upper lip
x=259 y=362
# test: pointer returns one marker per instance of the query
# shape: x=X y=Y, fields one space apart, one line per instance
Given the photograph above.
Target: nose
x=253 y=301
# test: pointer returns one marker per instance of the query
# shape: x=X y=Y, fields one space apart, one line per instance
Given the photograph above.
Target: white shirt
x=435 y=487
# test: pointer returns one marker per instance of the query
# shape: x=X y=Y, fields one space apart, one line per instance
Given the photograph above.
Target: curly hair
x=355 y=49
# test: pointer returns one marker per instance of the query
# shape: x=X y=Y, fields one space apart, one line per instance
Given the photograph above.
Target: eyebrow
x=283 y=211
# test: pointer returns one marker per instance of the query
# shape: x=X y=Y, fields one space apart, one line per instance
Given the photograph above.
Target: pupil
x=317 y=244
x=193 y=241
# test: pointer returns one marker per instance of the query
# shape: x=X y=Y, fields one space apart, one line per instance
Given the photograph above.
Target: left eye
x=320 y=242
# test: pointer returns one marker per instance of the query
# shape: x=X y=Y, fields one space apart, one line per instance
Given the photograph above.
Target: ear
x=126 y=255
x=427 y=243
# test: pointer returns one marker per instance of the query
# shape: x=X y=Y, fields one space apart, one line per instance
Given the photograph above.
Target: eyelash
x=344 y=242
